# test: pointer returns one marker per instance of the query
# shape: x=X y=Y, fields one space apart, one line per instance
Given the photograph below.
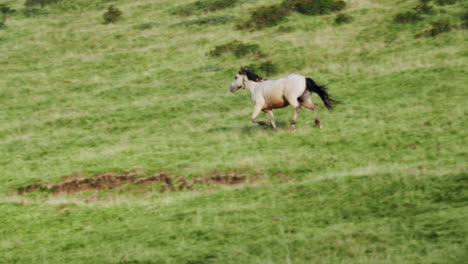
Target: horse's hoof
x=317 y=123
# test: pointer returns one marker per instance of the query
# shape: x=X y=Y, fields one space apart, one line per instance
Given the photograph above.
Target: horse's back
x=295 y=76
x=293 y=83
x=294 y=86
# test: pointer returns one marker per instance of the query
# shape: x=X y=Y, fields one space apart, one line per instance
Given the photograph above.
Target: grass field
x=385 y=180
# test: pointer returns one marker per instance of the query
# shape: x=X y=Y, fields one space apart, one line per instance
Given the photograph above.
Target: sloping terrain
x=385 y=180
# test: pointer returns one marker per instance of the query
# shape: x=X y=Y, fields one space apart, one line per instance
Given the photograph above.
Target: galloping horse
x=294 y=90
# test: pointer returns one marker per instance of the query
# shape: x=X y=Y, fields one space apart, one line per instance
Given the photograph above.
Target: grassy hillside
x=384 y=181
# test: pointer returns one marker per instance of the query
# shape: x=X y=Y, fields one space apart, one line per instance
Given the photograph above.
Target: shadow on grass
x=249 y=129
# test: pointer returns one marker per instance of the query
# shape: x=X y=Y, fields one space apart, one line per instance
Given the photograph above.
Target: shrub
x=464 y=19
x=268 y=68
x=343 y=19
x=42 y=3
x=264 y=68
x=145 y=26
x=245 y=25
x=315 y=7
x=210 y=20
x=338 y=6
x=33 y=12
x=267 y=16
x=5 y=11
x=407 y=17
x=438 y=27
x=424 y=8
x=286 y=29
x=199 y=7
x=445 y=2
x=237 y=48
x=112 y=15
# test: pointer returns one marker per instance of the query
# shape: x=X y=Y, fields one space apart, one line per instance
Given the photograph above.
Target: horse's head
x=241 y=79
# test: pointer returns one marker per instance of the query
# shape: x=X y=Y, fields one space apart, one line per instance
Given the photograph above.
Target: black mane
x=250 y=75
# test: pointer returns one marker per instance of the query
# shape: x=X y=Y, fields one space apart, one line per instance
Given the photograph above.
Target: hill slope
x=384 y=181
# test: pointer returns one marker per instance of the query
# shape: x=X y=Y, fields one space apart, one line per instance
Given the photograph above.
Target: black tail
x=311 y=86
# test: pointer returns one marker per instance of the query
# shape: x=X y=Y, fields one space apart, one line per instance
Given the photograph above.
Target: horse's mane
x=251 y=75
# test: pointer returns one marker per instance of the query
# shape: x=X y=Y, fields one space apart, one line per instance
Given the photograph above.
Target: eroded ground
x=113 y=180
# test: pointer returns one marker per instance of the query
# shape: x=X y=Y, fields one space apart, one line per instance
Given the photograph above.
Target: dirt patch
x=112 y=180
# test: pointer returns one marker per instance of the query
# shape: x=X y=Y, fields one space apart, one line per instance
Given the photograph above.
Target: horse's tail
x=311 y=86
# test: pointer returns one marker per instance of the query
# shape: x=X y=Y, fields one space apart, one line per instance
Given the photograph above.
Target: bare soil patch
x=112 y=180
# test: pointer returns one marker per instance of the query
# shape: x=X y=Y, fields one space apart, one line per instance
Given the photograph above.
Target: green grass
x=371 y=219
x=383 y=182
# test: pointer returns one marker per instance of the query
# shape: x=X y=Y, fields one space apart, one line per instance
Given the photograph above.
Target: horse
x=294 y=90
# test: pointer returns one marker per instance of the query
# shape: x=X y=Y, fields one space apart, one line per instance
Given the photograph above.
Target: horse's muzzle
x=232 y=88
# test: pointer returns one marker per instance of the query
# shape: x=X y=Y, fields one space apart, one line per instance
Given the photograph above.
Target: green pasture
x=385 y=180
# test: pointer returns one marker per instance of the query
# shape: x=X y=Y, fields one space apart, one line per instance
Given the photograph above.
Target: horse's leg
x=297 y=109
x=307 y=102
x=257 y=110
x=317 y=121
x=270 y=115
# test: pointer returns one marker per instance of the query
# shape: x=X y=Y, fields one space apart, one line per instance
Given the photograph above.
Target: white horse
x=294 y=90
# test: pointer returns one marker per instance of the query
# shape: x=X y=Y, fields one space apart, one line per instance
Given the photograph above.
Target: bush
x=464 y=25
x=343 y=19
x=464 y=19
x=445 y=2
x=286 y=29
x=199 y=7
x=424 y=8
x=266 y=16
x=237 y=48
x=210 y=20
x=112 y=15
x=268 y=68
x=145 y=26
x=338 y=6
x=315 y=7
x=407 y=17
x=33 y=12
x=438 y=27
x=5 y=11
x=264 y=68
x=42 y=3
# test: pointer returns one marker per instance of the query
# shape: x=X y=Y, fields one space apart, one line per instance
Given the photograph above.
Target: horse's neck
x=252 y=86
